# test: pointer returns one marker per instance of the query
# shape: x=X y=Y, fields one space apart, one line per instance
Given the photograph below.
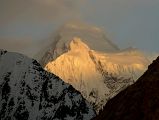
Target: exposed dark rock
x=139 y=101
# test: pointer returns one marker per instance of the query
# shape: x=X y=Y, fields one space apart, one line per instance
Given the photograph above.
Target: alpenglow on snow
x=82 y=56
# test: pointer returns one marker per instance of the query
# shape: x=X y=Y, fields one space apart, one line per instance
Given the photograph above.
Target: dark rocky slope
x=139 y=101
x=27 y=92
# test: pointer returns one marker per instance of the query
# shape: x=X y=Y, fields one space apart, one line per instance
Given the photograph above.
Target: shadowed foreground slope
x=27 y=92
x=139 y=101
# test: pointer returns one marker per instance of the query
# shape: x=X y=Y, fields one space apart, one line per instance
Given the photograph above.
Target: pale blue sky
x=127 y=22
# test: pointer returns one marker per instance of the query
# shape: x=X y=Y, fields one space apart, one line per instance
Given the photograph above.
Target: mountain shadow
x=139 y=101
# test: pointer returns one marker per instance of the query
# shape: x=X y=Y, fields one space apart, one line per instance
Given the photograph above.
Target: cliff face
x=27 y=92
x=139 y=101
x=97 y=75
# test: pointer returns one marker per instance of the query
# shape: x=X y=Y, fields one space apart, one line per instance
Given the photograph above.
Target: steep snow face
x=27 y=92
x=92 y=36
x=97 y=75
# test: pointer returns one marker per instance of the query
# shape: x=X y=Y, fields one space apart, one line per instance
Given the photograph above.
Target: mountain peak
x=77 y=44
x=92 y=72
x=90 y=35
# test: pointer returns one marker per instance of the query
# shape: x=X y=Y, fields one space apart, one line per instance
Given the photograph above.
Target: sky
x=25 y=24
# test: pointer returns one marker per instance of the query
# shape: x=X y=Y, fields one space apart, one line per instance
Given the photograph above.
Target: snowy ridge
x=97 y=75
x=27 y=92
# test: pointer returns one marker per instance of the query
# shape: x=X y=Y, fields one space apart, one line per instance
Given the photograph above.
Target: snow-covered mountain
x=27 y=92
x=91 y=63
